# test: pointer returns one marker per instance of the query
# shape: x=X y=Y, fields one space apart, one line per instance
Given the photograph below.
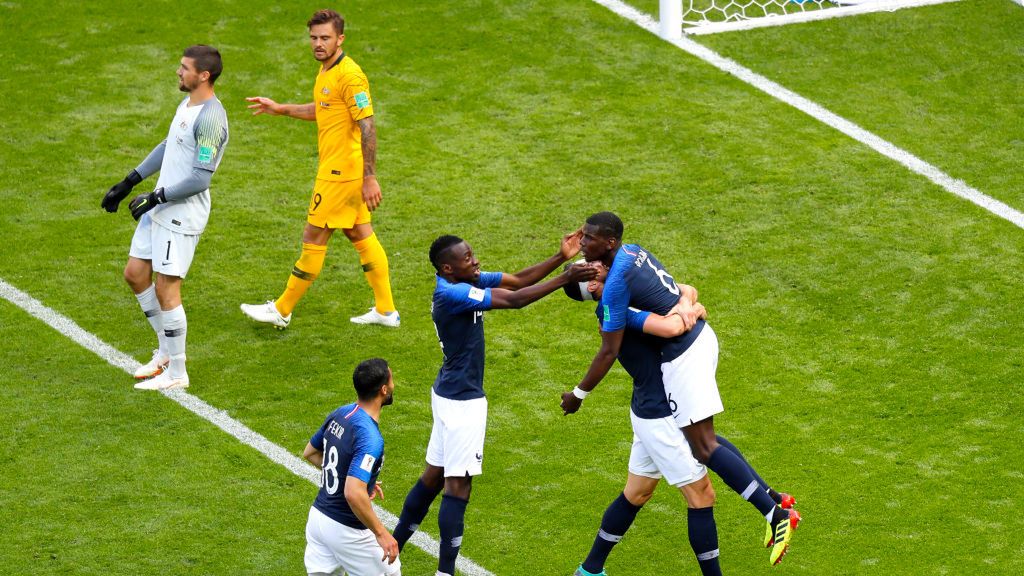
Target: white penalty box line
x=218 y=418
x=820 y=113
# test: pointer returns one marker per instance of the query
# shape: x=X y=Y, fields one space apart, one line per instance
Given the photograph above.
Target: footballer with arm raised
x=455 y=451
x=637 y=279
x=346 y=190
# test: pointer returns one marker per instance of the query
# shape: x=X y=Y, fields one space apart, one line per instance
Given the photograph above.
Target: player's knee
x=703 y=449
x=135 y=278
x=638 y=497
x=700 y=494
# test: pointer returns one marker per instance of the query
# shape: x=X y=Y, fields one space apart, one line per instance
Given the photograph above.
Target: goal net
x=710 y=16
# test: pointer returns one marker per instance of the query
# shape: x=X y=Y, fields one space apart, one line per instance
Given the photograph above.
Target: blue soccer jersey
x=458 y=313
x=636 y=278
x=352 y=446
x=640 y=356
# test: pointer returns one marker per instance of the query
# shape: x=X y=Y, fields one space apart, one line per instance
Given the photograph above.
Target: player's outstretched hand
x=261 y=105
x=570 y=403
x=145 y=202
x=389 y=545
x=377 y=491
x=571 y=243
x=581 y=273
x=371 y=192
x=120 y=191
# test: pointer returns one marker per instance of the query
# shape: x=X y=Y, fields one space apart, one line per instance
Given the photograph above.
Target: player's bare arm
x=569 y=248
x=313 y=456
x=678 y=321
x=358 y=499
x=261 y=105
x=611 y=342
x=503 y=299
x=371 y=188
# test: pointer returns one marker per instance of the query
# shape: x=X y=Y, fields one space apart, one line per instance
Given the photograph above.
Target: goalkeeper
x=172 y=216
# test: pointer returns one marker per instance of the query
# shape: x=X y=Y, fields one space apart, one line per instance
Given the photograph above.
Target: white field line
x=811 y=16
x=218 y=418
x=818 y=112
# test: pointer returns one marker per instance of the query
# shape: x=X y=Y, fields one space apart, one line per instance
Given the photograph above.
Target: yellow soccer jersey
x=342 y=98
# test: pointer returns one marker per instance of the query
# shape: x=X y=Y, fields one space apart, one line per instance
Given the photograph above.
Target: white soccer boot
x=155 y=366
x=163 y=381
x=266 y=313
x=392 y=320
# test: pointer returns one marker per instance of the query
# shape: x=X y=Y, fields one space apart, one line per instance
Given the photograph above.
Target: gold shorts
x=338 y=205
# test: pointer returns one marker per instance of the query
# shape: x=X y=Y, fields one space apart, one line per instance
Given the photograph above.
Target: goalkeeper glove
x=145 y=202
x=120 y=191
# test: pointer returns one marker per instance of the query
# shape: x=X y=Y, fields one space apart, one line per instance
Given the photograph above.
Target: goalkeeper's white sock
x=175 y=327
x=151 y=308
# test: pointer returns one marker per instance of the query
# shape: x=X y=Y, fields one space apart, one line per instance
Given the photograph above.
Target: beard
x=389 y=400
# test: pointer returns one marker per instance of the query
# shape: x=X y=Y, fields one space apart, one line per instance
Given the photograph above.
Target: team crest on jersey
x=362 y=100
x=326 y=91
x=183 y=125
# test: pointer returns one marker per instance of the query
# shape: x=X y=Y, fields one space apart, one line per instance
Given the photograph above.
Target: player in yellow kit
x=346 y=188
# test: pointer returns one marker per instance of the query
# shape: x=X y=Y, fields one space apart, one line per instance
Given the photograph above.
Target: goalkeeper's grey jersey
x=197 y=138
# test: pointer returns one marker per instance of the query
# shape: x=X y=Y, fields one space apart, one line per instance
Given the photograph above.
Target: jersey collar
x=336 y=62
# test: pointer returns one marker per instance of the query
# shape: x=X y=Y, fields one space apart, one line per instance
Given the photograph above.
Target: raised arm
x=261 y=105
x=569 y=248
x=503 y=298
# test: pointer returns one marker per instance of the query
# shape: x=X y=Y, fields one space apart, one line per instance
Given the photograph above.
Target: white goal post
x=711 y=16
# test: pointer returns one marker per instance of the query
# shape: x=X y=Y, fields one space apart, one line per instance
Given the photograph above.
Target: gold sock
x=306 y=269
x=375 y=266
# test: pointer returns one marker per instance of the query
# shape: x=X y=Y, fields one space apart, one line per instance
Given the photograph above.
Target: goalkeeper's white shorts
x=171 y=252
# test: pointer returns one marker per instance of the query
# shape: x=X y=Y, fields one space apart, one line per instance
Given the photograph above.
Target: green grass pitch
x=870 y=322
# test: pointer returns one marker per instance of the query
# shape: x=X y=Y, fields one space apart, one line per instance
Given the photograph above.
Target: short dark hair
x=440 y=247
x=369 y=376
x=207 y=59
x=609 y=225
x=325 y=16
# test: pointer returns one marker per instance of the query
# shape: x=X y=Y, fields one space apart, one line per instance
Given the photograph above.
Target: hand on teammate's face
x=571 y=243
x=581 y=273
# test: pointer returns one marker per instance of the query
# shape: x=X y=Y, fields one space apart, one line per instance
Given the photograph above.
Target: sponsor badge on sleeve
x=362 y=100
x=206 y=154
x=476 y=294
x=367 y=463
